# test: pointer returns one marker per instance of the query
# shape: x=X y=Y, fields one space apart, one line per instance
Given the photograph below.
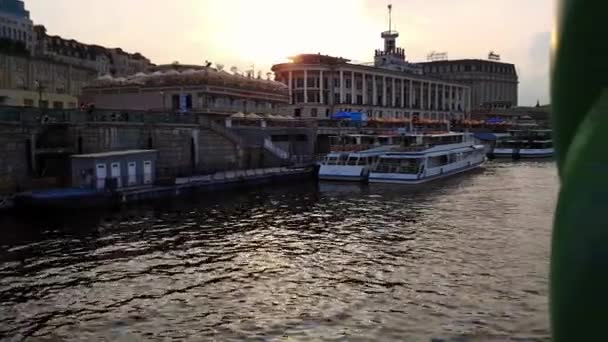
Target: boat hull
x=524 y=153
x=343 y=173
x=393 y=179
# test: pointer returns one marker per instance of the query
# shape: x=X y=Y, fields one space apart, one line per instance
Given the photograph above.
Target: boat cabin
x=420 y=142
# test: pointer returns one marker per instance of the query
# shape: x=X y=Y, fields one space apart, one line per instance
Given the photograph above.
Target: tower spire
x=390 y=17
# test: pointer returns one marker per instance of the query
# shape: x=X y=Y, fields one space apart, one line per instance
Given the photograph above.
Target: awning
x=486 y=136
x=353 y=116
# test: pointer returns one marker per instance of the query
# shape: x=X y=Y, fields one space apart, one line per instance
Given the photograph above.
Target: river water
x=465 y=259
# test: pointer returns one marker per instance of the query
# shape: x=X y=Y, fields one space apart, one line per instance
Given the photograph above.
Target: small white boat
x=353 y=167
x=524 y=144
x=428 y=157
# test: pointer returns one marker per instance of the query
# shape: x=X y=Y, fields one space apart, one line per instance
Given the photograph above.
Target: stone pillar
x=436 y=96
x=364 y=78
x=393 y=99
x=384 y=104
x=451 y=98
x=291 y=87
x=411 y=94
x=421 y=95
x=341 y=86
x=353 y=89
x=305 y=86
x=402 y=93
x=321 y=90
x=468 y=106
x=374 y=91
x=429 y=98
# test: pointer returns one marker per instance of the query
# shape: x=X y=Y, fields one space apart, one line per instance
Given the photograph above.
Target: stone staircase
x=275 y=150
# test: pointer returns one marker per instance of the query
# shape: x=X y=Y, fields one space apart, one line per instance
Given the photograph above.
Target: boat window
x=333 y=160
x=390 y=165
x=352 y=161
x=438 y=161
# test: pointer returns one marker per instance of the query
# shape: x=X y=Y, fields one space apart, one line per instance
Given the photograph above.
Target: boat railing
x=350 y=148
x=417 y=148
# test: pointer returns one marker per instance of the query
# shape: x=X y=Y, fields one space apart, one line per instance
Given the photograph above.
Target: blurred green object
x=579 y=265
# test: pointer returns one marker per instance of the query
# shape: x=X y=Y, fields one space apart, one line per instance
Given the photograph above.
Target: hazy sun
x=268 y=31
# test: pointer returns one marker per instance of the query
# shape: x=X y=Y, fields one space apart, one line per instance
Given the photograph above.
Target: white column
x=411 y=93
x=468 y=106
x=321 y=93
x=374 y=91
x=305 y=86
x=290 y=87
x=341 y=86
x=428 y=103
x=353 y=96
x=402 y=93
x=363 y=76
x=384 y=91
x=450 y=98
x=393 y=99
x=436 y=96
x=421 y=95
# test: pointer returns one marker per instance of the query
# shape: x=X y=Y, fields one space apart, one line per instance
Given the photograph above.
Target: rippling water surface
x=461 y=260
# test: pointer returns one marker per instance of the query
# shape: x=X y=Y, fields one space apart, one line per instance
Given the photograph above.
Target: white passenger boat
x=535 y=143
x=354 y=166
x=427 y=157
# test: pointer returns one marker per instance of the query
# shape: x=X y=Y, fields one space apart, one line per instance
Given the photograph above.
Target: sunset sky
x=263 y=32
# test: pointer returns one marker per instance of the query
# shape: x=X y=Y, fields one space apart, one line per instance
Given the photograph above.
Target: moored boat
x=536 y=143
x=427 y=157
x=354 y=166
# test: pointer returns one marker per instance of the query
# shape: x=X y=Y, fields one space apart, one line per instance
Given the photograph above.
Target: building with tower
x=392 y=88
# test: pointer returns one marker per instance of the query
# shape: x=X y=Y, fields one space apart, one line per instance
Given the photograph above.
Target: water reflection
x=465 y=258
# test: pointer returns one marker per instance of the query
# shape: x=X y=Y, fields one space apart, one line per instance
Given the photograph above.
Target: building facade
x=15 y=23
x=198 y=90
x=393 y=88
x=105 y=61
x=494 y=85
x=33 y=82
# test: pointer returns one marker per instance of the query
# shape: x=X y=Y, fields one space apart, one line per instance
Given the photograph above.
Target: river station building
x=390 y=89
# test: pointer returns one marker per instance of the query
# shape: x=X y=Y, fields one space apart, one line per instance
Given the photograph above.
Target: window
x=349 y=84
x=297 y=112
x=327 y=113
x=314 y=112
x=28 y=102
x=43 y=104
x=57 y=105
x=299 y=82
